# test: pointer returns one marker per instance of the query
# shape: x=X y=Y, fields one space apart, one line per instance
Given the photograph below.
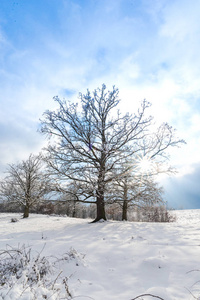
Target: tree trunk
x=101 y=215
x=124 y=210
x=125 y=204
x=26 y=212
x=74 y=210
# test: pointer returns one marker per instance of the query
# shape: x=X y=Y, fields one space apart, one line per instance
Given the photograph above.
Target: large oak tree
x=91 y=139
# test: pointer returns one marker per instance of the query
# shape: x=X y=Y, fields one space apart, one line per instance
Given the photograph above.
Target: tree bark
x=100 y=208
x=26 y=212
x=100 y=204
x=101 y=215
x=125 y=205
x=124 y=210
x=74 y=210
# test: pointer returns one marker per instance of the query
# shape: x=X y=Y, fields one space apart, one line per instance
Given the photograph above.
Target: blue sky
x=148 y=49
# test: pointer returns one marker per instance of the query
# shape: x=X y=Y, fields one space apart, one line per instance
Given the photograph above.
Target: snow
x=107 y=260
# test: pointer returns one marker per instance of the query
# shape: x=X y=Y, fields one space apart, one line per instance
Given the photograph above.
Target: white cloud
x=181 y=20
x=149 y=51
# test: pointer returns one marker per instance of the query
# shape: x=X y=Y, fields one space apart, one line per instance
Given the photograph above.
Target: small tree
x=26 y=183
x=138 y=186
x=132 y=192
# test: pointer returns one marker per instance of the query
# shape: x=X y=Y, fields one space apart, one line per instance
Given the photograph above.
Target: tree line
x=95 y=155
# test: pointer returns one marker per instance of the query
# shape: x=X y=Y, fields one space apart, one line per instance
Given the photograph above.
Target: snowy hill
x=103 y=261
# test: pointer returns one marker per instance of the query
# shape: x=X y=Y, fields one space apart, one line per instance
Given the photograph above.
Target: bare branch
x=147 y=295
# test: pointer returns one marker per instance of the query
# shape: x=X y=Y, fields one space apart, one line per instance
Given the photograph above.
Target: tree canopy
x=91 y=140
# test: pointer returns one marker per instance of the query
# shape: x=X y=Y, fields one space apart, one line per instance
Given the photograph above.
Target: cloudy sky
x=147 y=48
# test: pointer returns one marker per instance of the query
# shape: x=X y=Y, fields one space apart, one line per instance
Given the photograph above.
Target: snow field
x=110 y=260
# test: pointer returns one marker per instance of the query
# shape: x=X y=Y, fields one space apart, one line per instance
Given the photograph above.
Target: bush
x=152 y=214
x=18 y=263
x=24 y=276
x=13 y=220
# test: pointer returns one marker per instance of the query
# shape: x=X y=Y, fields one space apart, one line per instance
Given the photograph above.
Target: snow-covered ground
x=109 y=260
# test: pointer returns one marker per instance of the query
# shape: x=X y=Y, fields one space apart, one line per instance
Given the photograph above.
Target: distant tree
x=92 y=139
x=138 y=186
x=132 y=192
x=26 y=183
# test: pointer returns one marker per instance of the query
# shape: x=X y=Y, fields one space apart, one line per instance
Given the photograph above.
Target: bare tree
x=138 y=187
x=26 y=183
x=91 y=141
x=133 y=191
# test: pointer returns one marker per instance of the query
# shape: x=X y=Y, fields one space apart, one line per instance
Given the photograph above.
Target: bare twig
x=23 y=290
x=197 y=270
x=195 y=283
x=83 y=297
x=56 y=280
x=191 y=293
x=145 y=295
x=40 y=252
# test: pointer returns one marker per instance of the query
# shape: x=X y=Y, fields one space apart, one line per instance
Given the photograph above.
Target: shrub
x=24 y=276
